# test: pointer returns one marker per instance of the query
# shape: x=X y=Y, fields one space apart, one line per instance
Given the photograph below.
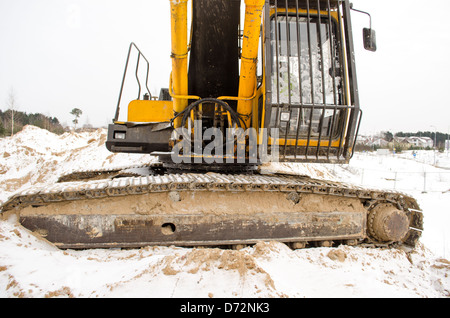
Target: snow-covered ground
x=416 y=176
x=31 y=267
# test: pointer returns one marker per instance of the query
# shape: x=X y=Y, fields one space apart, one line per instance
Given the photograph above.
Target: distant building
x=400 y=143
x=362 y=140
x=421 y=142
x=413 y=141
x=371 y=141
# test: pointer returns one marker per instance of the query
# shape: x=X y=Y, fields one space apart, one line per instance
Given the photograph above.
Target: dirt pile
x=37 y=157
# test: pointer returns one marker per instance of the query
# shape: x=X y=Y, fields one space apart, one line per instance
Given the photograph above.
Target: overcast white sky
x=62 y=54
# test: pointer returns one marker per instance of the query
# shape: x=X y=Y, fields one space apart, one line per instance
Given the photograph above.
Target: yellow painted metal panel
x=247 y=80
x=179 y=55
x=150 y=111
x=303 y=142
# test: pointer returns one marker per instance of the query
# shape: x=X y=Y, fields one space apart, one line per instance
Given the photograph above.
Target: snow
x=31 y=267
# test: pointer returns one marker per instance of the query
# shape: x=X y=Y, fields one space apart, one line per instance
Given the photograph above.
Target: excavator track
x=197 y=209
x=100 y=174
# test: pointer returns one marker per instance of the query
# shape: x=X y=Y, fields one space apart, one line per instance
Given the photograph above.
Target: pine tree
x=77 y=113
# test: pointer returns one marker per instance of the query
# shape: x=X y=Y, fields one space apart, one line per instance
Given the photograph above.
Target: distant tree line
x=22 y=119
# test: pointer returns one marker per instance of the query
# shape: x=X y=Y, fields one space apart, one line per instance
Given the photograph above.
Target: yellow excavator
x=252 y=82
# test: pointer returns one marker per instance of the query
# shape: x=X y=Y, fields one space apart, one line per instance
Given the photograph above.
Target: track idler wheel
x=386 y=223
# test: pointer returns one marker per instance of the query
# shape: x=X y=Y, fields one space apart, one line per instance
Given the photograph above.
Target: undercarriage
x=142 y=206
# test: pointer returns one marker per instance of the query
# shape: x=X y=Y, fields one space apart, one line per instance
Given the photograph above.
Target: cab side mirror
x=369 y=36
x=370 y=39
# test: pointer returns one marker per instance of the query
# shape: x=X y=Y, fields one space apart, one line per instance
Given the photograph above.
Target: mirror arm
x=370 y=17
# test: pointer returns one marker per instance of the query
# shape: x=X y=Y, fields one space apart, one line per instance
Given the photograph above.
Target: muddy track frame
x=292 y=188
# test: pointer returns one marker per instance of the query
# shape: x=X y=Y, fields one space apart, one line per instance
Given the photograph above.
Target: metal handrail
x=137 y=77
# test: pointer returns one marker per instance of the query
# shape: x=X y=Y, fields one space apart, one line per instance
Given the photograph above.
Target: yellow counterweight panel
x=150 y=111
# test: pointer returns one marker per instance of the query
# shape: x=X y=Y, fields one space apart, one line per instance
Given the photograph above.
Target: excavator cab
x=282 y=87
x=314 y=101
